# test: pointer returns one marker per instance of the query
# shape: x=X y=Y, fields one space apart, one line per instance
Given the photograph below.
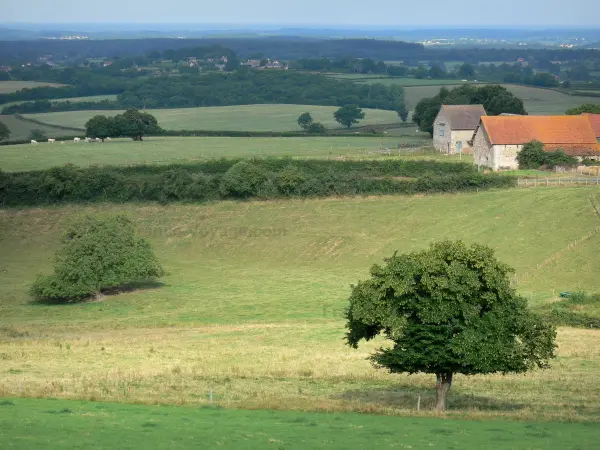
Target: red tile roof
x=595 y=121
x=573 y=134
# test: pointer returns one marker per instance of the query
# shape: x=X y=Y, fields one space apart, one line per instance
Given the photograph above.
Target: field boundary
x=39 y=122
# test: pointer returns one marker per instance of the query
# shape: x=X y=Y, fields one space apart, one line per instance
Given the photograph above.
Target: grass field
x=253 y=305
x=6 y=87
x=178 y=149
x=244 y=117
x=55 y=424
x=21 y=129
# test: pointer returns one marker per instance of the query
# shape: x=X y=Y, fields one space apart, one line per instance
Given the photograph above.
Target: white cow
x=76 y=140
x=51 y=140
x=62 y=142
x=33 y=141
x=108 y=139
x=87 y=139
x=98 y=139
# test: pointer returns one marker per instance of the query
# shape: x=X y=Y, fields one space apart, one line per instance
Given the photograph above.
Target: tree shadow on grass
x=407 y=397
x=139 y=285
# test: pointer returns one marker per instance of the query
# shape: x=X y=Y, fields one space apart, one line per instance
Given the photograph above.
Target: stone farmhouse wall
x=442 y=133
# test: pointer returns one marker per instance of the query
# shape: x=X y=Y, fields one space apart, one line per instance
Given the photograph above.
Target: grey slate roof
x=463 y=117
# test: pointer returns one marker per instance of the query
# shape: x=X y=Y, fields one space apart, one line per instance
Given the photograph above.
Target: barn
x=454 y=126
x=498 y=139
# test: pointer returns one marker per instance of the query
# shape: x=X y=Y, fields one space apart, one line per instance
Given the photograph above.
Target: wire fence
x=558 y=181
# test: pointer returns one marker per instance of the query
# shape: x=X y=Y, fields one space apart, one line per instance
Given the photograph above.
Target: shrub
x=316 y=128
x=97 y=253
x=531 y=156
x=244 y=179
x=290 y=180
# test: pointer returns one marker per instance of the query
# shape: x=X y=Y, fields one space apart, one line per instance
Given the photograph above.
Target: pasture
x=90 y=98
x=167 y=150
x=55 y=424
x=21 y=129
x=252 y=308
x=6 y=87
x=242 y=118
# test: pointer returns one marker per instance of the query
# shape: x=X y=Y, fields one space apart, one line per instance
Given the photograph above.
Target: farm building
x=498 y=139
x=454 y=126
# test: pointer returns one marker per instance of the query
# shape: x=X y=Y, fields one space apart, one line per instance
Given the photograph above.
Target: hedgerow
x=237 y=179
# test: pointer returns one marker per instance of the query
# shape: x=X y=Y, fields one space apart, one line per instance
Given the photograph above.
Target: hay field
x=253 y=304
x=243 y=117
x=164 y=150
x=6 y=87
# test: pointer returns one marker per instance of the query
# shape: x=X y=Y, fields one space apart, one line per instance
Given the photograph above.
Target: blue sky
x=393 y=13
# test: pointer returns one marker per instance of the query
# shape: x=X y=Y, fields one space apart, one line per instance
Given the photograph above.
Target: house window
x=458 y=146
x=441 y=132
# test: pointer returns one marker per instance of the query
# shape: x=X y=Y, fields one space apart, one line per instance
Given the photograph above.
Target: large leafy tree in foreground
x=97 y=253
x=448 y=310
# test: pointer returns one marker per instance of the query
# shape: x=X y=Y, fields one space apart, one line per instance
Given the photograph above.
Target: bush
x=316 y=128
x=244 y=179
x=533 y=156
x=97 y=253
x=290 y=180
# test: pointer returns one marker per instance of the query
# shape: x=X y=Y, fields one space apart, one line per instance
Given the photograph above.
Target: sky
x=373 y=13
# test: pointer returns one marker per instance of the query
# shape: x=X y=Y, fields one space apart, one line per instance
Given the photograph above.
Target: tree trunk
x=442 y=386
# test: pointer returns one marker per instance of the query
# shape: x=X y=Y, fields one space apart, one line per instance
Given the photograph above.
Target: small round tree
x=448 y=310
x=100 y=127
x=97 y=253
x=305 y=120
x=349 y=115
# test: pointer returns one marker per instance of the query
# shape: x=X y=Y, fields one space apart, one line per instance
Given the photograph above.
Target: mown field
x=21 y=129
x=54 y=424
x=6 y=87
x=252 y=307
x=243 y=117
x=163 y=150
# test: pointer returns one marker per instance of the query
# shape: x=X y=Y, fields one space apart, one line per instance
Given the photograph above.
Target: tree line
x=237 y=88
x=495 y=99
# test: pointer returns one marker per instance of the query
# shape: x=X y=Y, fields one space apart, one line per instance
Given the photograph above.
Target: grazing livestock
x=87 y=139
x=33 y=141
x=62 y=142
x=108 y=139
x=51 y=140
x=76 y=139
x=98 y=139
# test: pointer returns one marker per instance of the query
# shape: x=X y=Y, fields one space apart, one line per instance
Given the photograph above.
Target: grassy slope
x=6 y=87
x=176 y=149
x=244 y=117
x=52 y=424
x=254 y=301
x=20 y=129
x=91 y=98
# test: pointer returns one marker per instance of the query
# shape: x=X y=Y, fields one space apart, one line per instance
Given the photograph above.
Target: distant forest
x=287 y=48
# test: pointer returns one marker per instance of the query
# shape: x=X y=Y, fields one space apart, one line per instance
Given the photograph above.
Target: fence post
x=546 y=182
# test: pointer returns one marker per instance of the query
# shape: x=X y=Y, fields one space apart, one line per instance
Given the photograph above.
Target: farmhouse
x=498 y=139
x=454 y=126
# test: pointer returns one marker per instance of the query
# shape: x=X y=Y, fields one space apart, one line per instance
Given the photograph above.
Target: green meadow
x=54 y=424
x=252 y=307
